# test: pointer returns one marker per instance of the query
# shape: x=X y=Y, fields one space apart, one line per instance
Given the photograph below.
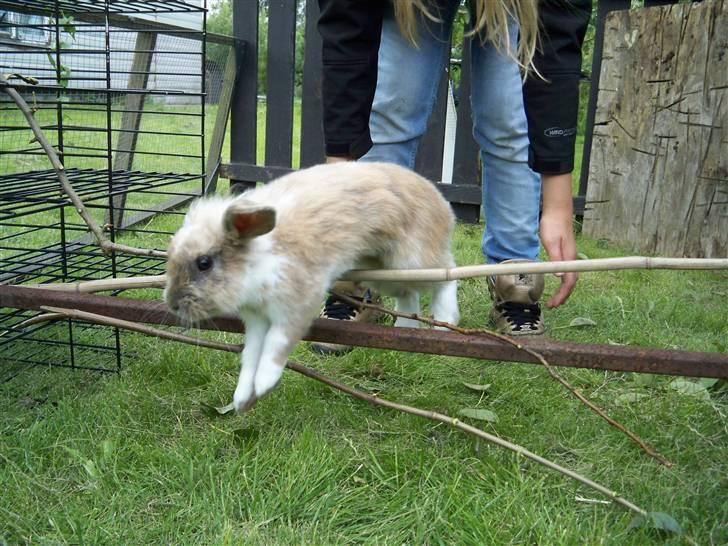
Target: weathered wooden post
x=658 y=158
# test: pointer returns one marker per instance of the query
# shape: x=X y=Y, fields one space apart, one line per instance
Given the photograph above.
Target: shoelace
x=339 y=310
x=523 y=316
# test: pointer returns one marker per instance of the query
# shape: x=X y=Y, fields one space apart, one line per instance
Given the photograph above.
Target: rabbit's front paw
x=244 y=398
x=266 y=377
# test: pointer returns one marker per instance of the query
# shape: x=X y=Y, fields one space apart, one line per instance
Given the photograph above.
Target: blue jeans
x=405 y=94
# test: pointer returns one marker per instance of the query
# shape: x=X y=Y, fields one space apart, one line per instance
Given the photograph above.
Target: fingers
x=568 y=282
x=562 y=249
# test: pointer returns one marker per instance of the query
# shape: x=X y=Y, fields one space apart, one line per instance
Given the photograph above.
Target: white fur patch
x=202 y=223
x=244 y=396
x=263 y=272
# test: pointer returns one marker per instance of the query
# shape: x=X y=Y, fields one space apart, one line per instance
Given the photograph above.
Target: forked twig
x=313 y=374
x=107 y=246
x=550 y=369
x=32 y=320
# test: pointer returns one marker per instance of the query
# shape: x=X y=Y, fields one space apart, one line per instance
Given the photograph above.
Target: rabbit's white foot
x=266 y=377
x=244 y=397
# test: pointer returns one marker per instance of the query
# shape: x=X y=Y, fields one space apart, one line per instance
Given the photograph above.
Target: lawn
x=141 y=458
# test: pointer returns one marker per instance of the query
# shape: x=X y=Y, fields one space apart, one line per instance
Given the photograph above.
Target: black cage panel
x=119 y=90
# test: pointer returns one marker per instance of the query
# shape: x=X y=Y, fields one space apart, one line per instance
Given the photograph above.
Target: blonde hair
x=490 y=21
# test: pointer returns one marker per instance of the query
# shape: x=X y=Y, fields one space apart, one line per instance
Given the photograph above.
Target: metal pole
x=558 y=353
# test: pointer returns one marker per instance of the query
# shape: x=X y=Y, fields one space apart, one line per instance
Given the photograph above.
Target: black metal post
x=603 y=8
x=244 y=111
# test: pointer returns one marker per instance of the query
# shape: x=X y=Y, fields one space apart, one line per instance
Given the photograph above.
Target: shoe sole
x=494 y=319
x=330 y=349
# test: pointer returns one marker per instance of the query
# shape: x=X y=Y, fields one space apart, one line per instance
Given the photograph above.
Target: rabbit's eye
x=203 y=263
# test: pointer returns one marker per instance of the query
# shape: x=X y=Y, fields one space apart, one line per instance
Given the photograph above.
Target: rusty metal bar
x=559 y=353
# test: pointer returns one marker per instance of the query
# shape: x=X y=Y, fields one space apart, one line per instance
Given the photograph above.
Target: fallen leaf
x=479 y=414
x=659 y=521
x=581 y=321
x=219 y=410
x=222 y=410
x=479 y=388
x=645 y=379
x=708 y=382
x=691 y=388
x=629 y=397
x=578 y=322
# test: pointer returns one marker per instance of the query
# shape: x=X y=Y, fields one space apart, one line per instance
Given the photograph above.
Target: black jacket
x=351 y=31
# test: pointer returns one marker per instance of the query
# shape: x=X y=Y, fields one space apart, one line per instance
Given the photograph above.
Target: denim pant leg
x=407 y=85
x=511 y=190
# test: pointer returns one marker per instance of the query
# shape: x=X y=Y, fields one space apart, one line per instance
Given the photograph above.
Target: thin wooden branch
x=550 y=369
x=375 y=400
x=132 y=250
x=435 y=275
x=106 y=245
x=456 y=423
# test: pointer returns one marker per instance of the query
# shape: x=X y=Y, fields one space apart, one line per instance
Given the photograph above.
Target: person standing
x=526 y=134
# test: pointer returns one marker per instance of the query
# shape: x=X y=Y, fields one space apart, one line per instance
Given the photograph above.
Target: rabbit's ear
x=243 y=221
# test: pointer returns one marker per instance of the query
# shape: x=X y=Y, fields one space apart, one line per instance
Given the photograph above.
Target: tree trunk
x=659 y=159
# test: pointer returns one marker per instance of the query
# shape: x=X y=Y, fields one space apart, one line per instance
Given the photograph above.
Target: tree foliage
x=220 y=21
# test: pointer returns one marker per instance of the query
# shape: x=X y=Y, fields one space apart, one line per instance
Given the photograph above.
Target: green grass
x=140 y=458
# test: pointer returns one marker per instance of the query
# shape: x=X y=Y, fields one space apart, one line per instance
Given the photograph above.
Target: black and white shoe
x=335 y=309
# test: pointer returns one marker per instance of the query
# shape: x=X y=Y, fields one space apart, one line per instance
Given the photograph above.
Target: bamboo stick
x=438 y=275
x=103 y=285
x=484 y=270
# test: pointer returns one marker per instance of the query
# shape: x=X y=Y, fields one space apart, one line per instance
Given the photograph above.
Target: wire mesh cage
x=120 y=94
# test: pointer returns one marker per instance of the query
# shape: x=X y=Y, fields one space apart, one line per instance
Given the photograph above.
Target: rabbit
x=271 y=254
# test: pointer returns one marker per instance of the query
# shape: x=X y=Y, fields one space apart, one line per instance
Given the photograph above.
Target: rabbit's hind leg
x=408 y=301
x=445 y=302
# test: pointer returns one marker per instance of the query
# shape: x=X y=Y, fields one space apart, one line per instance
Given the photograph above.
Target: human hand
x=557 y=237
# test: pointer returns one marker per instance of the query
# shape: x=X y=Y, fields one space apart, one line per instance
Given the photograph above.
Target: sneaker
x=336 y=309
x=516 y=311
